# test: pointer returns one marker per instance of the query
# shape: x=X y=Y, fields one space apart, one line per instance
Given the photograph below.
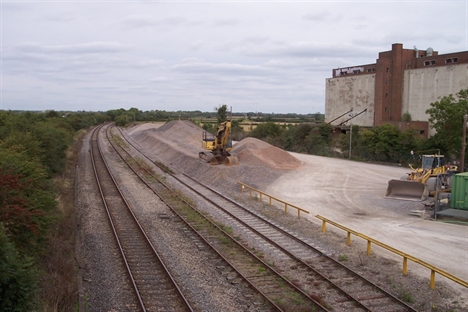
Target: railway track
x=155 y=289
x=333 y=285
x=237 y=262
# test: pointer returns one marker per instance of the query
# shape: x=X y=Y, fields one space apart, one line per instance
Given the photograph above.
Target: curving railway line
x=333 y=285
x=242 y=241
x=155 y=289
x=238 y=262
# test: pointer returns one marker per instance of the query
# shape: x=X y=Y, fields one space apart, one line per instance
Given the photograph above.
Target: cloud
x=262 y=56
x=199 y=66
x=226 y=22
x=82 y=48
x=142 y=21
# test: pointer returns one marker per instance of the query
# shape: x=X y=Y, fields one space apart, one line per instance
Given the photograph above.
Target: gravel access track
x=155 y=289
x=322 y=277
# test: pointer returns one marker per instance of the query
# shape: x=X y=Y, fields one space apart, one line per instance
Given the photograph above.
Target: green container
x=459 y=197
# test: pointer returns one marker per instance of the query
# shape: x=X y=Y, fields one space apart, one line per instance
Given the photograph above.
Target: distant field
x=249 y=125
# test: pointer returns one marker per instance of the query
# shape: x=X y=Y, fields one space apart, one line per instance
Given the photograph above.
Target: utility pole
x=352 y=115
x=462 y=162
x=350 y=139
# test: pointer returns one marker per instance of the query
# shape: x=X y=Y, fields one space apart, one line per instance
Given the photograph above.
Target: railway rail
x=244 y=264
x=322 y=274
x=155 y=289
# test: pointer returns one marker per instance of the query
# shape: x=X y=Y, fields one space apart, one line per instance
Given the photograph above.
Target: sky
x=253 y=56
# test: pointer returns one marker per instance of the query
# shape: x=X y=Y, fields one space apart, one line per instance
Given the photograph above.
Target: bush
x=18 y=277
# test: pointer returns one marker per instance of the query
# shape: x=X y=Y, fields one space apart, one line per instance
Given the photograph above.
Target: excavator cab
x=429 y=162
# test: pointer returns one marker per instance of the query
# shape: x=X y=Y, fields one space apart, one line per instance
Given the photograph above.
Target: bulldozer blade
x=407 y=190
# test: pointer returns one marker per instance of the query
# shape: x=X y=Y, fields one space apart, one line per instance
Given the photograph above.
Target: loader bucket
x=407 y=190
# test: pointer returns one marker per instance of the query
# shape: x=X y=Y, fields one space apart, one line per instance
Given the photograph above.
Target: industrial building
x=397 y=89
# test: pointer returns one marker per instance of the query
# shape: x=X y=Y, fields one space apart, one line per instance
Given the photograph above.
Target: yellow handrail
x=286 y=204
x=394 y=250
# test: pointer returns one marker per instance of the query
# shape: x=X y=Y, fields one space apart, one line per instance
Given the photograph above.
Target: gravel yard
x=347 y=192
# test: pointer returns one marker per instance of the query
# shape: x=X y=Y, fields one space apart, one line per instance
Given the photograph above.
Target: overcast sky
x=261 y=56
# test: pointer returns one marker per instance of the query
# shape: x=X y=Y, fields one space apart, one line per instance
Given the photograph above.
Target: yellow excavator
x=433 y=175
x=220 y=145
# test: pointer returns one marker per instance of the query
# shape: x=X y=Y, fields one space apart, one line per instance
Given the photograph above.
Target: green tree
x=120 y=120
x=381 y=143
x=319 y=140
x=446 y=117
x=18 y=277
x=221 y=113
x=267 y=130
x=54 y=138
x=26 y=198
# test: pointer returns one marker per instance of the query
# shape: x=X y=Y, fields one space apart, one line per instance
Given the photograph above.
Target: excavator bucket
x=217 y=160
x=407 y=190
x=231 y=161
x=205 y=156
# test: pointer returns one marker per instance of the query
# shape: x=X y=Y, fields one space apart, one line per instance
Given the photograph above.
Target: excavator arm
x=219 y=146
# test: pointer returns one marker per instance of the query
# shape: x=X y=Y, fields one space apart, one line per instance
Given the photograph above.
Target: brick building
x=403 y=82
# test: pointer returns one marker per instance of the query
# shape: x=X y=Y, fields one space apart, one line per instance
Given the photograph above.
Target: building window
x=448 y=61
x=455 y=59
x=451 y=60
x=386 y=95
x=421 y=132
x=386 y=82
x=386 y=70
x=427 y=63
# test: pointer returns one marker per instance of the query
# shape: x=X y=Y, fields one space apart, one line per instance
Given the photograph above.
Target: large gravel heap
x=178 y=143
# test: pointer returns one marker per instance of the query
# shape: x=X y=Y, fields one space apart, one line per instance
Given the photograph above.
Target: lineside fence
x=369 y=240
x=270 y=198
x=405 y=256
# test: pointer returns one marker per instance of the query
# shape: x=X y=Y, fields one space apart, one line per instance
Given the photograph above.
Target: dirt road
x=351 y=193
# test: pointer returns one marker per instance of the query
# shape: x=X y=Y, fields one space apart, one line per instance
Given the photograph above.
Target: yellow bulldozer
x=433 y=175
x=219 y=145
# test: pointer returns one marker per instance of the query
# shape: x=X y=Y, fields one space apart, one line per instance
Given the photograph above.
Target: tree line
x=33 y=153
